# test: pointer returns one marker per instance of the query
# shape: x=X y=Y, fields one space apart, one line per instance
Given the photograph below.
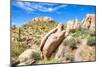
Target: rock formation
x=42 y=19
x=61 y=52
x=89 y=22
x=26 y=57
x=85 y=53
x=76 y=25
x=72 y=24
x=51 y=41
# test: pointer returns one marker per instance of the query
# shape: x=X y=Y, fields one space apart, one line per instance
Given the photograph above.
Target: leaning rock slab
x=26 y=57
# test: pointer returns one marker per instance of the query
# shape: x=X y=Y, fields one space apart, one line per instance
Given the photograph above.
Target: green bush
x=37 y=41
x=36 y=56
x=83 y=33
x=51 y=60
x=76 y=34
x=91 y=41
x=92 y=33
x=70 y=42
x=18 y=49
x=70 y=57
x=72 y=31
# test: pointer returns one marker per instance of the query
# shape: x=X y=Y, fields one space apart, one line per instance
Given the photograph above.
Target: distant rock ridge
x=89 y=22
x=42 y=19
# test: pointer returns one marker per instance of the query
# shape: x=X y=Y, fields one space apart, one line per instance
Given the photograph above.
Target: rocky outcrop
x=61 y=54
x=51 y=41
x=72 y=25
x=89 y=22
x=85 y=53
x=42 y=19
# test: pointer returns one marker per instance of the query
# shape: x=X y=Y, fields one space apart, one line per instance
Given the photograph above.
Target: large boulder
x=51 y=41
x=26 y=57
x=62 y=53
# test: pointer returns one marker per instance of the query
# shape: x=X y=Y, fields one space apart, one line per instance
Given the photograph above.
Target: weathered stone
x=89 y=22
x=63 y=54
x=26 y=57
x=72 y=25
x=76 y=25
x=60 y=52
x=51 y=41
x=85 y=53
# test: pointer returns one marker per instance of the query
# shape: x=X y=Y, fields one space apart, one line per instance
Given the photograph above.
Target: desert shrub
x=70 y=57
x=80 y=28
x=72 y=31
x=18 y=49
x=83 y=33
x=51 y=60
x=37 y=41
x=70 y=42
x=76 y=34
x=91 y=41
x=36 y=56
x=78 y=40
x=92 y=33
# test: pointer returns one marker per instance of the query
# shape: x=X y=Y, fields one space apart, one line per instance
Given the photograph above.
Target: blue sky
x=23 y=12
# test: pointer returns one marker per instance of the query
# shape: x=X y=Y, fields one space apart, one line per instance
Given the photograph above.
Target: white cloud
x=23 y=5
x=58 y=7
x=40 y=7
x=47 y=9
x=27 y=3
